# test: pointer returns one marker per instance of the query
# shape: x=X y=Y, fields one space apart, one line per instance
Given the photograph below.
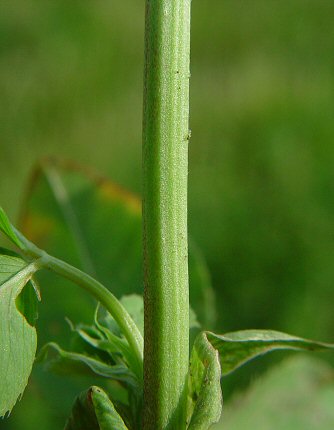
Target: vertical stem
x=165 y=168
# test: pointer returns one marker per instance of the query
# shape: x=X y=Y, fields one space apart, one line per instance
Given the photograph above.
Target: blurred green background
x=261 y=177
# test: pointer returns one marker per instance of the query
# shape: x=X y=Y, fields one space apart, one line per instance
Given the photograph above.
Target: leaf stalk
x=97 y=290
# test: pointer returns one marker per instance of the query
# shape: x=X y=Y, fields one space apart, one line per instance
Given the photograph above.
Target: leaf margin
x=15 y=373
x=259 y=342
x=205 y=397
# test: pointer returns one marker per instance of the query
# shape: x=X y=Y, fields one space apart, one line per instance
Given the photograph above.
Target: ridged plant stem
x=165 y=169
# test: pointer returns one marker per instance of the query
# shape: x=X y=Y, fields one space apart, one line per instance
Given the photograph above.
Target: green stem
x=97 y=290
x=165 y=168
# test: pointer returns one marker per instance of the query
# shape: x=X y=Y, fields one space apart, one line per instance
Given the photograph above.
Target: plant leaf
x=95 y=341
x=116 y=343
x=6 y=228
x=193 y=322
x=64 y=362
x=134 y=304
x=296 y=394
x=95 y=350
x=202 y=295
x=236 y=348
x=18 y=339
x=93 y=410
x=204 y=395
x=99 y=341
x=27 y=302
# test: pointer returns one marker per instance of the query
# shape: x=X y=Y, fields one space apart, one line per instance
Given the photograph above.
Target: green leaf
x=98 y=351
x=96 y=341
x=102 y=342
x=202 y=295
x=27 y=302
x=96 y=225
x=297 y=394
x=204 y=395
x=6 y=228
x=237 y=348
x=193 y=322
x=116 y=343
x=69 y=363
x=134 y=304
x=93 y=410
x=18 y=339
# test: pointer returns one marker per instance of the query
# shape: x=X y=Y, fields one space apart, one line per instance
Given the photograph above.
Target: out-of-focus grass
x=306 y=405
x=261 y=153
x=71 y=78
x=262 y=177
